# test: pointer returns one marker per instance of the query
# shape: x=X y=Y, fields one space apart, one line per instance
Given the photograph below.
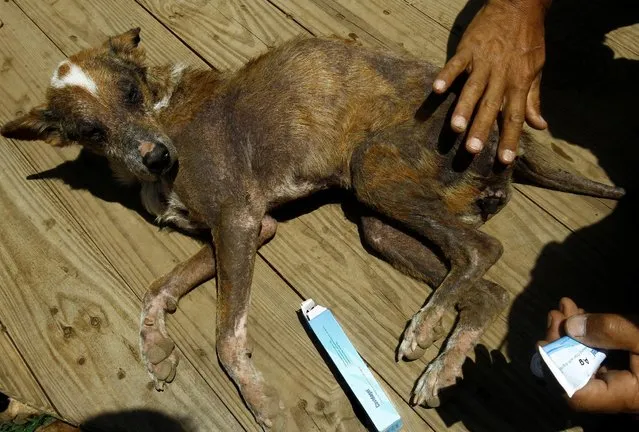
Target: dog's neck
x=177 y=91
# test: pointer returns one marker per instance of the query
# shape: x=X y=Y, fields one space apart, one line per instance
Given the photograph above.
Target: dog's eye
x=92 y=132
x=133 y=95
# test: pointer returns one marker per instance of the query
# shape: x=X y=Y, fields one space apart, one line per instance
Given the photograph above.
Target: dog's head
x=100 y=98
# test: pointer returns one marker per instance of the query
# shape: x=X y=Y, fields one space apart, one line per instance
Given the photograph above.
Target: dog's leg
x=410 y=256
x=235 y=239
x=404 y=252
x=476 y=313
x=412 y=199
x=414 y=258
x=157 y=348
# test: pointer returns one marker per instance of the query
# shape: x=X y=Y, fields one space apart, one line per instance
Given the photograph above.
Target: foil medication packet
x=358 y=377
x=571 y=362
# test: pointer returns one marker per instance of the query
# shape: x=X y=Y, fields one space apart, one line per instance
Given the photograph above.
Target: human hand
x=611 y=391
x=503 y=51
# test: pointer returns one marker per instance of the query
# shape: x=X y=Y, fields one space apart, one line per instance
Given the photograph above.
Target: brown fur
x=308 y=115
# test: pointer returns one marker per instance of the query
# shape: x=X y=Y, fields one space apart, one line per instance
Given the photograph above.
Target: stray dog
x=219 y=151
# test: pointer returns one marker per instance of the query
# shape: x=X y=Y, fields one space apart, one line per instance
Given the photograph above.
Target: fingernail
x=543 y=120
x=474 y=144
x=549 y=321
x=576 y=326
x=508 y=156
x=459 y=122
x=439 y=85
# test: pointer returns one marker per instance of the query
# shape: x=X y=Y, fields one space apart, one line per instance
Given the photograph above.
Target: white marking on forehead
x=75 y=76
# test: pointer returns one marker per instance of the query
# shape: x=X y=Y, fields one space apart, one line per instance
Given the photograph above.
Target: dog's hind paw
x=440 y=374
x=418 y=337
x=158 y=350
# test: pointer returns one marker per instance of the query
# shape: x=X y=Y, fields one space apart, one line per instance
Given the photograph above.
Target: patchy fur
x=228 y=148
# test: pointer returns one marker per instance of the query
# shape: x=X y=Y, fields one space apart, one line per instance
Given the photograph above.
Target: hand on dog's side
x=611 y=391
x=503 y=51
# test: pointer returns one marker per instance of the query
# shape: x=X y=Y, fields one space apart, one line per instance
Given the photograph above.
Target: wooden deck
x=76 y=253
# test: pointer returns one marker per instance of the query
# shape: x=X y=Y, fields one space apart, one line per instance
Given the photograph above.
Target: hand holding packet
x=571 y=362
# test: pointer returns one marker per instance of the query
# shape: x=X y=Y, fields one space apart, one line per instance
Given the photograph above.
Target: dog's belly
x=289 y=189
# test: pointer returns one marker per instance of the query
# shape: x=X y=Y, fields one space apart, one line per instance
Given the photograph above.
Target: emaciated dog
x=220 y=151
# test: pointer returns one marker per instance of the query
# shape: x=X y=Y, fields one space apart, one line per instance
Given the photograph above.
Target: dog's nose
x=157 y=158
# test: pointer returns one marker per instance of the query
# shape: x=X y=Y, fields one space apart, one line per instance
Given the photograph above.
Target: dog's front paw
x=441 y=373
x=268 y=409
x=158 y=350
x=418 y=336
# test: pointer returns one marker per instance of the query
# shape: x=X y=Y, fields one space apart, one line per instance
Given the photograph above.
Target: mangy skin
x=308 y=115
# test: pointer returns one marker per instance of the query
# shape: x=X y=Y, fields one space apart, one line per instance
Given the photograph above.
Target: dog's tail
x=539 y=165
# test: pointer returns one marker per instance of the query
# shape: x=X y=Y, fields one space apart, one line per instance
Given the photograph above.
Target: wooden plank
x=312 y=393
x=17 y=381
x=320 y=22
x=224 y=33
x=74 y=26
x=625 y=41
x=259 y=17
x=391 y=24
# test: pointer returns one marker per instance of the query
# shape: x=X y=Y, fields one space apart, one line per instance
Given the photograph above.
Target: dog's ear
x=35 y=125
x=126 y=42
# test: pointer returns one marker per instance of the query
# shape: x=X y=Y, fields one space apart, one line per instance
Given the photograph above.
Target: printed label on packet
x=571 y=362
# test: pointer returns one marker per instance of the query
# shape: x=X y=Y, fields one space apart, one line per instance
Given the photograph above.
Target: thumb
x=533 y=106
x=606 y=331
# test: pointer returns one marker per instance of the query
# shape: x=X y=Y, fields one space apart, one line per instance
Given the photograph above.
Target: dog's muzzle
x=155 y=157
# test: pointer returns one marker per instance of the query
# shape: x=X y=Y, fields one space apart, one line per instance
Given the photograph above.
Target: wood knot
x=95 y=321
x=49 y=223
x=82 y=361
x=121 y=374
x=68 y=332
